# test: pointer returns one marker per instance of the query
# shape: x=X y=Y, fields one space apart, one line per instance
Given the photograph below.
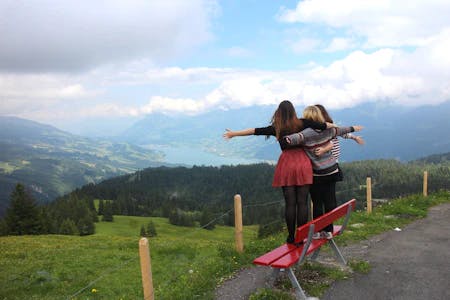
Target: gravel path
x=407 y=264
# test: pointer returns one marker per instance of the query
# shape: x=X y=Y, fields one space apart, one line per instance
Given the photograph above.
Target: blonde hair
x=313 y=113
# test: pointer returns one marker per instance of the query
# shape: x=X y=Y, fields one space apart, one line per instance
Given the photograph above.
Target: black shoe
x=290 y=240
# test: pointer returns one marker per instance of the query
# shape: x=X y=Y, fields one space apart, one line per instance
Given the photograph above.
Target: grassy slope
x=187 y=263
x=59 y=267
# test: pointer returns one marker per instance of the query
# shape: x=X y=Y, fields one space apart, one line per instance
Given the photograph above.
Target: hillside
x=156 y=191
x=52 y=162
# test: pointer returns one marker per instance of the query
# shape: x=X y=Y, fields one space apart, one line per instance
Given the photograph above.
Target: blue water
x=199 y=157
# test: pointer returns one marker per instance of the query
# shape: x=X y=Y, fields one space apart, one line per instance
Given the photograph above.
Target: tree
x=206 y=220
x=273 y=227
x=86 y=225
x=143 y=231
x=68 y=227
x=151 y=229
x=108 y=212
x=22 y=216
x=3 y=227
x=101 y=206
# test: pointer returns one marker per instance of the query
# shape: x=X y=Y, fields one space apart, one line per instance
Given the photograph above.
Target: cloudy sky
x=63 y=62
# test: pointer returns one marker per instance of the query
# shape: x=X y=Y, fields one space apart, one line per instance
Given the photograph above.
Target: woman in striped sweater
x=326 y=171
x=293 y=172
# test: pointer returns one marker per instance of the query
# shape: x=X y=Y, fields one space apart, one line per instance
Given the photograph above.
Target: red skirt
x=293 y=168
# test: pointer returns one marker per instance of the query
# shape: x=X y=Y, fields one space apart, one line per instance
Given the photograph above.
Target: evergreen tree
x=108 y=212
x=151 y=229
x=206 y=220
x=3 y=227
x=143 y=231
x=22 y=216
x=273 y=227
x=101 y=206
x=46 y=220
x=68 y=227
x=85 y=225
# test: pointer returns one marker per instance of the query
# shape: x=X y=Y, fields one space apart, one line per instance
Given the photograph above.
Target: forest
x=200 y=193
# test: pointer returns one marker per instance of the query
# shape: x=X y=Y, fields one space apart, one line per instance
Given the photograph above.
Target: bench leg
x=315 y=254
x=273 y=277
x=298 y=289
x=337 y=251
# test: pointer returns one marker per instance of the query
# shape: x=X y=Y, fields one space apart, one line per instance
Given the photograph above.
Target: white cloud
x=166 y=104
x=75 y=35
x=340 y=44
x=384 y=75
x=418 y=75
x=383 y=23
x=21 y=93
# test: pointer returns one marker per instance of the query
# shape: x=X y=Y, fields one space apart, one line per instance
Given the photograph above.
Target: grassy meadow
x=187 y=263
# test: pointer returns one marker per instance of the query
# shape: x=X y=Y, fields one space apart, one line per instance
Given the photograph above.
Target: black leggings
x=296 y=212
x=323 y=196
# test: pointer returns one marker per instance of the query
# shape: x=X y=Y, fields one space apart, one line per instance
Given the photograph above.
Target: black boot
x=290 y=239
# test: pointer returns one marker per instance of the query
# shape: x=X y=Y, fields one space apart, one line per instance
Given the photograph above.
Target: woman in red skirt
x=293 y=172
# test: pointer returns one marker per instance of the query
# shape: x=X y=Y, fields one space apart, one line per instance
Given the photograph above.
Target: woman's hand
x=228 y=134
x=231 y=134
x=359 y=140
x=331 y=125
x=358 y=127
x=319 y=151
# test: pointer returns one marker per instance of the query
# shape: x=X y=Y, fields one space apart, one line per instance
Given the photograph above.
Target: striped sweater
x=310 y=139
x=336 y=151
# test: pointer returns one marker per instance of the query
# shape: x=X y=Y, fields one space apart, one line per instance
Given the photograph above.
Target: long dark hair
x=324 y=113
x=285 y=120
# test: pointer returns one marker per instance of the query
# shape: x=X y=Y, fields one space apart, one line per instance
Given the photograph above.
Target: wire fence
x=185 y=239
x=174 y=276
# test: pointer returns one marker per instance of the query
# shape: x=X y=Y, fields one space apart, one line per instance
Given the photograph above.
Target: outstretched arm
x=344 y=130
x=299 y=139
x=231 y=134
x=358 y=139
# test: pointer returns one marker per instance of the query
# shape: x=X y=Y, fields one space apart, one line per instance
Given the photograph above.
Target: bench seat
x=287 y=255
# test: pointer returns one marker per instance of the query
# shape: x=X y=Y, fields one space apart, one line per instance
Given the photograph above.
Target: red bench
x=285 y=256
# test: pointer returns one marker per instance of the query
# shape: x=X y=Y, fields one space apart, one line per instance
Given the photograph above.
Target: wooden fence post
x=238 y=223
x=146 y=269
x=369 y=194
x=425 y=183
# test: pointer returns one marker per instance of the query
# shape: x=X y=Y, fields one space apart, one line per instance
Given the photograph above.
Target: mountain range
x=390 y=131
x=52 y=162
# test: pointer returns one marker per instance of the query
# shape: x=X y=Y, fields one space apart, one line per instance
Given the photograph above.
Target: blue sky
x=71 y=62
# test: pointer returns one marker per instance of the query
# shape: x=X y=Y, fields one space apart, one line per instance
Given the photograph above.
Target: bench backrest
x=324 y=220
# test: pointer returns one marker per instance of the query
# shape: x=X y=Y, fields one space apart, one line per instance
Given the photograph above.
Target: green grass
x=7 y=168
x=187 y=263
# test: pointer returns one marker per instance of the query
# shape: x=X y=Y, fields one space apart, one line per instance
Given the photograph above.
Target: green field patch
x=8 y=168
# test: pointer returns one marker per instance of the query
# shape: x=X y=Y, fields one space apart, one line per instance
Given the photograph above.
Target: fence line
x=146 y=263
x=262 y=204
x=104 y=274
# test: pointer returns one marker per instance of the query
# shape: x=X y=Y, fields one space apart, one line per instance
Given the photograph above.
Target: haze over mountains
x=52 y=162
x=390 y=131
